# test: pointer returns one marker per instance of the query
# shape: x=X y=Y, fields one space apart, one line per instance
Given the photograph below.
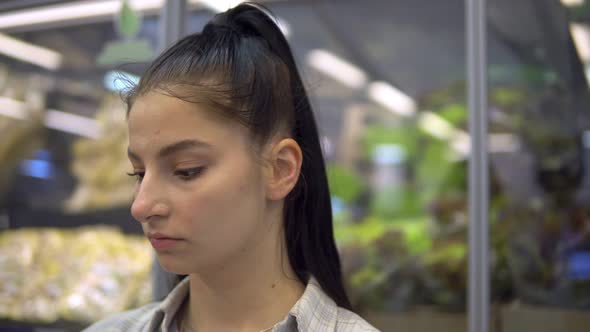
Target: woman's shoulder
x=316 y=311
x=348 y=321
x=135 y=320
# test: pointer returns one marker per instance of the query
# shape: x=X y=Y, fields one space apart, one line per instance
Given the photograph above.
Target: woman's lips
x=162 y=242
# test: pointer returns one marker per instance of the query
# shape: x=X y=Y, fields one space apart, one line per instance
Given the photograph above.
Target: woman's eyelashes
x=185 y=174
x=189 y=173
x=137 y=175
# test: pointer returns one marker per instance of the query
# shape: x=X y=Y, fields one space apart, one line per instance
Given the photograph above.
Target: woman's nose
x=149 y=201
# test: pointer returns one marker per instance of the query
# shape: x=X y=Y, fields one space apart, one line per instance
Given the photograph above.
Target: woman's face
x=200 y=194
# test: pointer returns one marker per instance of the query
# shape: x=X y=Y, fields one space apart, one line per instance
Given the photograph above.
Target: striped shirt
x=314 y=311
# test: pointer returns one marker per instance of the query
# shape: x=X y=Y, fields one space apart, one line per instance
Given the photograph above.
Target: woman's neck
x=251 y=293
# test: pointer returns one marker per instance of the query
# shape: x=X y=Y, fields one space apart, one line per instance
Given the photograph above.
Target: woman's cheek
x=203 y=210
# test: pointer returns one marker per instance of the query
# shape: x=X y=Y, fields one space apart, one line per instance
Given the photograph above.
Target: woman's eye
x=138 y=175
x=188 y=174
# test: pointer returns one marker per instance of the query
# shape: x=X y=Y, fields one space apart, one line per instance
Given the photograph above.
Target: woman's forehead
x=166 y=112
x=159 y=119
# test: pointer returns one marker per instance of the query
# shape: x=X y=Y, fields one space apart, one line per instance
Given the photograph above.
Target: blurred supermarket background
x=388 y=82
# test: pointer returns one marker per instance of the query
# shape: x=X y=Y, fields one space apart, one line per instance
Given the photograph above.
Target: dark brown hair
x=242 y=66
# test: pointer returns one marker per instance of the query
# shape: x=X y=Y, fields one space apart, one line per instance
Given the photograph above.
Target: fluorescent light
x=119 y=81
x=28 y=52
x=337 y=68
x=217 y=6
x=461 y=143
x=581 y=36
x=436 y=125
x=441 y=128
x=497 y=143
x=504 y=143
x=67 y=122
x=13 y=108
x=74 y=11
x=586 y=139
x=72 y=123
x=572 y=3
x=392 y=98
x=83 y=10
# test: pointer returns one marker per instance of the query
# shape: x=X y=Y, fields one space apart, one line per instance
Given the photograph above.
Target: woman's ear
x=285 y=165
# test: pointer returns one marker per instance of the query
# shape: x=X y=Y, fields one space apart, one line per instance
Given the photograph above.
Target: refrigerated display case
x=70 y=252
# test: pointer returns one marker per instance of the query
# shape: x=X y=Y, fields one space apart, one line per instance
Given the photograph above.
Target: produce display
x=22 y=133
x=406 y=244
x=75 y=274
x=100 y=164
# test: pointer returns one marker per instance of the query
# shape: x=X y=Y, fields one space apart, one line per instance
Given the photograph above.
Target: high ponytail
x=308 y=213
x=245 y=53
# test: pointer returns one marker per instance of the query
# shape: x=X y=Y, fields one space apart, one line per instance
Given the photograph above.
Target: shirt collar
x=314 y=311
x=164 y=317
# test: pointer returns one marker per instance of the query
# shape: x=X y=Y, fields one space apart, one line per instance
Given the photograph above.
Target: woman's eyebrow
x=173 y=148
x=182 y=145
x=132 y=155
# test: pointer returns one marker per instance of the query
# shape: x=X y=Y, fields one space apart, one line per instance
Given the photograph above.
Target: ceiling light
x=505 y=142
x=497 y=143
x=13 y=108
x=119 y=81
x=67 y=122
x=218 y=6
x=337 y=68
x=572 y=3
x=439 y=127
x=436 y=125
x=28 y=52
x=586 y=139
x=74 y=11
x=72 y=123
x=581 y=36
x=84 y=10
x=461 y=144
x=392 y=98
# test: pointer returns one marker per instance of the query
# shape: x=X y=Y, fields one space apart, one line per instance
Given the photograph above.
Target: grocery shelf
x=120 y=217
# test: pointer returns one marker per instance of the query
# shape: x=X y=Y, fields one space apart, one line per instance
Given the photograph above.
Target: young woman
x=232 y=188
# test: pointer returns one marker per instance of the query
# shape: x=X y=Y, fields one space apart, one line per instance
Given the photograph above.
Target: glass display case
x=538 y=115
x=70 y=253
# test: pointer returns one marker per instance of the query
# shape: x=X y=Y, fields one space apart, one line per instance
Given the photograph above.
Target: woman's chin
x=174 y=266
